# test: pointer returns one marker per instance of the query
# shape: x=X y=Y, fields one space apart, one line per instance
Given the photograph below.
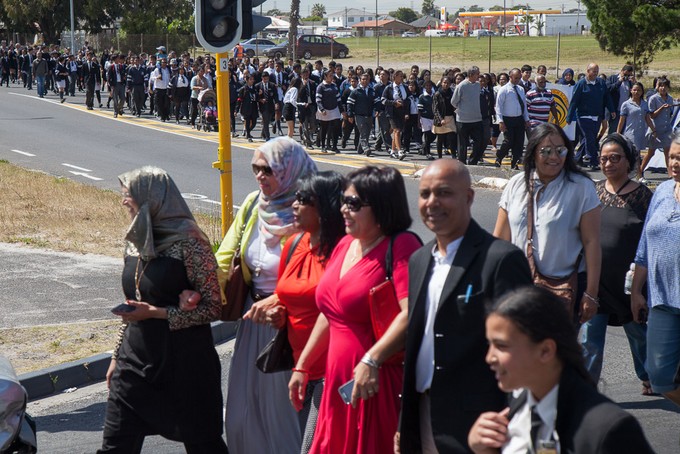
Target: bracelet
x=302 y=371
x=592 y=298
x=370 y=361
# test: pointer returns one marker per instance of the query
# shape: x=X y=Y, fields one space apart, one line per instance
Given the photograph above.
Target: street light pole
x=73 y=41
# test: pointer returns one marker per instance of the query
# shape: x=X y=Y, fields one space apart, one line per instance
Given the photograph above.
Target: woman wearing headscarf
x=164 y=376
x=567 y=77
x=259 y=417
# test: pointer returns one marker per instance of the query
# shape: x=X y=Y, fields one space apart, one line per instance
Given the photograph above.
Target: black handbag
x=277 y=356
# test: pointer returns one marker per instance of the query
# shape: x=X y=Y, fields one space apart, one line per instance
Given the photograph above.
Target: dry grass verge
x=56 y=213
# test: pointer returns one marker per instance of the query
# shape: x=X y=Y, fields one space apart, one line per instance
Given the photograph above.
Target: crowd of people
x=477 y=354
x=361 y=109
x=475 y=315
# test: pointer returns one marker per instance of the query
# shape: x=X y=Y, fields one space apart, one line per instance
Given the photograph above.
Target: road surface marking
x=25 y=153
x=86 y=175
x=76 y=167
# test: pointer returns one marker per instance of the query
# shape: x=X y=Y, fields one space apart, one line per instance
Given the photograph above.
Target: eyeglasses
x=304 y=198
x=266 y=170
x=613 y=158
x=354 y=203
x=560 y=151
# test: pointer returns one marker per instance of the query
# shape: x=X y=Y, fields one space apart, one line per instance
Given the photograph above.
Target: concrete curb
x=78 y=373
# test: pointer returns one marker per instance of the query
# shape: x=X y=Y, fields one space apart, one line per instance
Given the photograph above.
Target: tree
x=154 y=16
x=527 y=20
x=293 y=28
x=496 y=8
x=635 y=29
x=404 y=14
x=318 y=9
x=475 y=9
x=429 y=9
x=539 y=23
x=274 y=12
x=51 y=17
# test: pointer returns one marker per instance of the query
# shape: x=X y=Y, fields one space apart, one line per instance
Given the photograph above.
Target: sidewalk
x=43 y=287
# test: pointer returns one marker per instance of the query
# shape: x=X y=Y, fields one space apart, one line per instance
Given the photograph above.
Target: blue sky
x=385 y=6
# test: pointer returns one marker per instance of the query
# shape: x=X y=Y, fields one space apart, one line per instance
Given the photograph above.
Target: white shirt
x=440 y=270
x=519 y=429
x=162 y=83
x=262 y=260
x=507 y=104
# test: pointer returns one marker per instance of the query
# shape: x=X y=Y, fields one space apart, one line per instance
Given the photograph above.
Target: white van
x=435 y=33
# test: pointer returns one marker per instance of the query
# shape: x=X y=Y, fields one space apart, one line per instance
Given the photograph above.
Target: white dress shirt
x=507 y=104
x=519 y=429
x=440 y=270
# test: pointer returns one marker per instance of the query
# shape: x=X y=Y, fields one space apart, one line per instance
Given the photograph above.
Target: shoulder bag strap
x=245 y=222
x=389 y=265
x=294 y=246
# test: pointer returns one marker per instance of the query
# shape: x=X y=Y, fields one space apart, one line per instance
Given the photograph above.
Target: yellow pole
x=223 y=163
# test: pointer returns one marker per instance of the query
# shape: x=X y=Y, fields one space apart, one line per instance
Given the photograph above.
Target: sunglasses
x=266 y=170
x=353 y=202
x=613 y=158
x=560 y=151
x=304 y=198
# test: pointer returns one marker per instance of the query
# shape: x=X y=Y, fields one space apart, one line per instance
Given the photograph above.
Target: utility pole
x=578 y=18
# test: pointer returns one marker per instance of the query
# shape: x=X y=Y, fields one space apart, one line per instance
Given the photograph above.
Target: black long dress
x=169 y=381
x=623 y=217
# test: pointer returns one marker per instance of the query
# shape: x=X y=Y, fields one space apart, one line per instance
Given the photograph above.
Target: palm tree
x=318 y=9
x=539 y=23
x=292 y=30
x=527 y=19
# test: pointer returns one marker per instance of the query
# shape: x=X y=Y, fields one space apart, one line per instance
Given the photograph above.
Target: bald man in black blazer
x=445 y=392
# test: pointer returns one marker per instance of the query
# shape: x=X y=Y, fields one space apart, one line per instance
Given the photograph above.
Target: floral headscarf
x=163 y=218
x=289 y=162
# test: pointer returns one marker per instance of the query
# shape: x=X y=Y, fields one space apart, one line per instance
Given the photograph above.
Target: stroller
x=207 y=104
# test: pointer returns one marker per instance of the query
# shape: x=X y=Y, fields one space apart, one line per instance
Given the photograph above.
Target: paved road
x=93 y=148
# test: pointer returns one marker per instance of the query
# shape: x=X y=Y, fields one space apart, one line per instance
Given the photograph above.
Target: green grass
x=576 y=52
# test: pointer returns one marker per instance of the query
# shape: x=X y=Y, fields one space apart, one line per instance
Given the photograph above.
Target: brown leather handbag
x=236 y=289
x=564 y=288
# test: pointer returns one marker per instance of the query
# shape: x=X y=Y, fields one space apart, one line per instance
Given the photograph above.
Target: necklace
x=138 y=277
x=364 y=251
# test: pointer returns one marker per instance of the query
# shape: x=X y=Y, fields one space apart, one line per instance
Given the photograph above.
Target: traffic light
x=252 y=23
x=218 y=24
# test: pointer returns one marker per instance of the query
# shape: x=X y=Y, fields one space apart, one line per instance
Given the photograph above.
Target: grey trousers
x=364 y=125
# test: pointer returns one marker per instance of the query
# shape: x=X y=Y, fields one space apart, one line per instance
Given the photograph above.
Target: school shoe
x=401 y=155
x=392 y=155
x=497 y=163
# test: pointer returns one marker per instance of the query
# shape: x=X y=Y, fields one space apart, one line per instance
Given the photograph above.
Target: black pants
x=412 y=132
x=267 y=116
x=347 y=129
x=447 y=140
x=330 y=130
x=137 y=99
x=232 y=115
x=513 y=139
x=163 y=104
x=194 y=111
x=467 y=131
x=89 y=95
x=427 y=143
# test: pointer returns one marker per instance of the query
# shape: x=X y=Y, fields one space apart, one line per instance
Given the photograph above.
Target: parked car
x=454 y=33
x=435 y=33
x=409 y=35
x=310 y=46
x=257 y=46
x=482 y=32
x=273 y=36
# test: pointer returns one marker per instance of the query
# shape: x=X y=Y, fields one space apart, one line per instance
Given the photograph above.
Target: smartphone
x=123 y=308
x=346 y=391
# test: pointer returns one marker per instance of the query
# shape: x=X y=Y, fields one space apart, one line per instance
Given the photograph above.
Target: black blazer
x=463 y=386
x=270 y=96
x=391 y=110
x=589 y=423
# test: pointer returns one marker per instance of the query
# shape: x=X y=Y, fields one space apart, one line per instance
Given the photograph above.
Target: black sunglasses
x=353 y=202
x=264 y=169
x=613 y=158
x=304 y=198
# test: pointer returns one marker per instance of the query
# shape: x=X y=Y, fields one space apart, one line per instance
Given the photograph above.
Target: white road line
x=76 y=167
x=25 y=153
x=86 y=175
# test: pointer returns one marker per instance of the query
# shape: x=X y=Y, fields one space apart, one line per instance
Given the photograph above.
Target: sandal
x=647 y=389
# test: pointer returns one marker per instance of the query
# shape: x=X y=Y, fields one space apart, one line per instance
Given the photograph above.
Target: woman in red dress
x=375 y=208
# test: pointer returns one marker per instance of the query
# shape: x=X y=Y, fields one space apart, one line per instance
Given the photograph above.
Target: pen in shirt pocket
x=468 y=293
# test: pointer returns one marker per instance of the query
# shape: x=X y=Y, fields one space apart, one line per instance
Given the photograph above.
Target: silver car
x=257 y=46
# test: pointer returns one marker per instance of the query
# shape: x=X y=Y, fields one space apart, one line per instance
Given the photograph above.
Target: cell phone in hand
x=123 y=308
x=346 y=391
